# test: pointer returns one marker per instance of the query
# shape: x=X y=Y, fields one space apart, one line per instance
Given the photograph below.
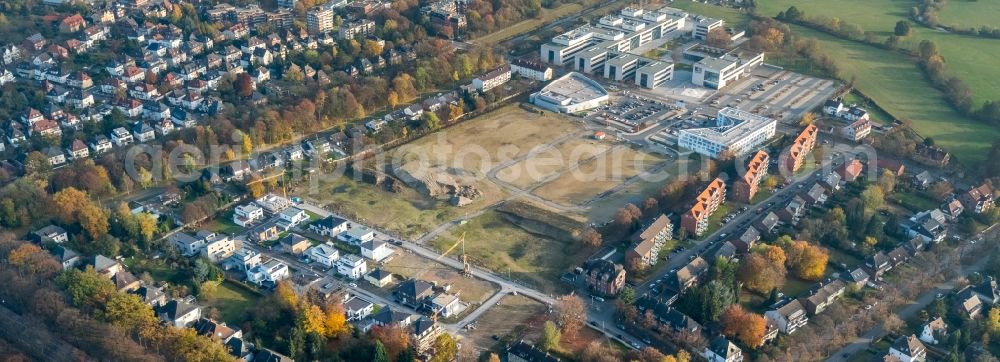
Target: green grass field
x=501 y=246
x=233 y=302
x=970 y=58
x=733 y=17
x=407 y=212
x=895 y=83
x=967 y=14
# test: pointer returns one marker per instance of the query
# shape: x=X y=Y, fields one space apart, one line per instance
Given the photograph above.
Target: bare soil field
x=598 y=175
x=462 y=155
x=470 y=290
x=530 y=171
x=517 y=317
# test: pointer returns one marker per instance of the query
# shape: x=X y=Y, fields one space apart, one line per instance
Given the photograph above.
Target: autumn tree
x=336 y=322
x=550 y=336
x=445 y=348
x=626 y=217
x=395 y=339
x=244 y=85
x=993 y=321
x=718 y=38
x=69 y=202
x=94 y=220
x=591 y=238
x=805 y=260
x=807 y=119
x=744 y=326
x=571 y=313
x=760 y=274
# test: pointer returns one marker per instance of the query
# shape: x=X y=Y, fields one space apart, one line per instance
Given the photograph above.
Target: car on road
x=353 y=284
x=674 y=270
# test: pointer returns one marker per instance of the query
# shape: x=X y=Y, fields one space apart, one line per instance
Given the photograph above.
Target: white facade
x=357 y=235
x=352 y=266
x=654 y=74
x=493 y=79
x=375 y=250
x=272 y=271
x=531 y=70
x=571 y=93
x=324 y=254
x=736 y=131
x=627 y=30
x=245 y=215
x=294 y=216
x=716 y=73
x=218 y=247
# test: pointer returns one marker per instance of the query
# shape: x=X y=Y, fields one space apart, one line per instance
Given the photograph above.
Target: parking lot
x=631 y=112
x=775 y=93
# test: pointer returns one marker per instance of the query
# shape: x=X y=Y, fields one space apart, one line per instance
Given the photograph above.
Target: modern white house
x=218 y=247
x=375 y=250
x=329 y=226
x=243 y=260
x=352 y=266
x=246 y=215
x=324 y=254
x=271 y=271
x=357 y=235
x=358 y=308
x=293 y=216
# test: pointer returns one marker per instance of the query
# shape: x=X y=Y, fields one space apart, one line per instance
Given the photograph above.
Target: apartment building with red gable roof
x=800 y=148
x=695 y=221
x=746 y=187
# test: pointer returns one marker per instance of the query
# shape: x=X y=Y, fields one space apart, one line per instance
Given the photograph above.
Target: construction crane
x=466 y=269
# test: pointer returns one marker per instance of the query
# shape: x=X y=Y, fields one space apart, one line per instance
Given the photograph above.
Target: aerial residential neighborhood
x=592 y=181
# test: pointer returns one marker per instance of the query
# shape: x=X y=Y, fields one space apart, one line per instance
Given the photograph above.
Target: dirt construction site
x=545 y=158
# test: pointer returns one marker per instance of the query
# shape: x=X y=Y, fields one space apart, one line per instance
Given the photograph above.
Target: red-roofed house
x=746 y=187
x=72 y=24
x=695 y=221
x=800 y=148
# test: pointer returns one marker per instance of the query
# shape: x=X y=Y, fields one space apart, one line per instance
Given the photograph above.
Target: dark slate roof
x=531 y=353
x=413 y=288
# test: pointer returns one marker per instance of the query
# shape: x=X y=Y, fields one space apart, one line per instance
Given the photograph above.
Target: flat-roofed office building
x=736 y=132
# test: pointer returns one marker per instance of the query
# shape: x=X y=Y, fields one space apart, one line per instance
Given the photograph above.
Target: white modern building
x=293 y=216
x=705 y=25
x=245 y=215
x=218 y=247
x=376 y=250
x=352 y=266
x=271 y=271
x=717 y=72
x=627 y=30
x=324 y=254
x=357 y=235
x=738 y=132
x=319 y=20
x=654 y=74
x=571 y=93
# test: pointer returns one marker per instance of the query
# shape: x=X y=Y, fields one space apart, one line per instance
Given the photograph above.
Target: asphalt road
x=738 y=224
